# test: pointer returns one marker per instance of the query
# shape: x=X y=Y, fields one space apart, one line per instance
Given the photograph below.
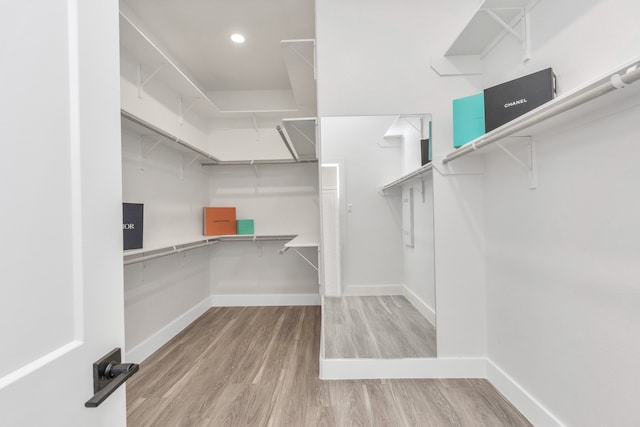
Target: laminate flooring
x=258 y=366
x=379 y=327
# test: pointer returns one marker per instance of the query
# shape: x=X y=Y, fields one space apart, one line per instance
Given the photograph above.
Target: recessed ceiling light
x=237 y=38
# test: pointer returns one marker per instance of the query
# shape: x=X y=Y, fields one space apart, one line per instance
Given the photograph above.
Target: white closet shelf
x=493 y=20
x=159 y=65
x=168 y=136
x=549 y=115
x=154 y=63
x=303 y=241
x=163 y=249
x=417 y=174
x=213 y=161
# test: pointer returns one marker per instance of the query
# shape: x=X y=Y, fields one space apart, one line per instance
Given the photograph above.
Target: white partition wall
x=282 y=200
x=163 y=295
x=383 y=68
x=562 y=270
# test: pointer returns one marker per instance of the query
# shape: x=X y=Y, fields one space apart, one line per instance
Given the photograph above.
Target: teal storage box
x=244 y=226
x=468 y=119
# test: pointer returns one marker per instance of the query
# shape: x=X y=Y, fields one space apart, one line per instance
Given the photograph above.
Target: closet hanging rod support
x=303 y=134
x=142 y=83
x=286 y=142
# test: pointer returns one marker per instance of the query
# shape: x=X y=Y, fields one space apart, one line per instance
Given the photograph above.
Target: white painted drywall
x=173 y=194
x=248 y=144
x=159 y=292
x=562 y=260
x=375 y=60
x=252 y=269
x=370 y=224
x=419 y=261
x=282 y=200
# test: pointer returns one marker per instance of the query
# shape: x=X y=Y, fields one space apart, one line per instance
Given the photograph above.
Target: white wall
x=173 y=194
x=562 y=260
x=282 y=200
x=419 y=261
x=247 y=144
x=370 y=224
x=159 y=292
x=375 y=60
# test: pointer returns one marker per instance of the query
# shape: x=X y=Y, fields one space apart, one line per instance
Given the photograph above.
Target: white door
x=61 y=300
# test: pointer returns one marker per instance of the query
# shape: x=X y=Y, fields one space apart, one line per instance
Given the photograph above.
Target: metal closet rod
x=174 y=250
x=167 y=135
x=207 y=242
x=257 y=162
x=547 y=111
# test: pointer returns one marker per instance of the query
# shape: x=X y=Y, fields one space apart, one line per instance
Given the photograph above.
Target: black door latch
x=109 y=374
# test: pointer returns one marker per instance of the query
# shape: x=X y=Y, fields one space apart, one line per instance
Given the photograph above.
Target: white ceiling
x=196 y=34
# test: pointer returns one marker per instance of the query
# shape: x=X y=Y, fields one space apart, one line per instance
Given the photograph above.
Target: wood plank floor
x=258 y=366
x=379 y=327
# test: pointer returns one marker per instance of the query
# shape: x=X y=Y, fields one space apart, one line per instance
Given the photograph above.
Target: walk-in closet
x=320 y=212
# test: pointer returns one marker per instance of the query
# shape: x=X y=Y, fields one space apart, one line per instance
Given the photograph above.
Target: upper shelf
x=299 y=58
x=573 y=105
x=155 y=64
x=493 y=20
x=141 y=127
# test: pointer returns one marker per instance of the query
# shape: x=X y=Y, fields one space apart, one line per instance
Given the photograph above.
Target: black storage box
x=425 y=152
x=506 y=101
x=132 y=223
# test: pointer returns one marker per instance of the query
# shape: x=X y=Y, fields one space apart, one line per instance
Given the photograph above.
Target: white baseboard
x=381 y=290
x=372 y=290
x=424 y=309
x=264 y=300
x=537 y=414
x=160 y=338
x=358 y=369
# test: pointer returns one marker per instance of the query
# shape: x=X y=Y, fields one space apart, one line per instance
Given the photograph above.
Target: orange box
x=219 y=221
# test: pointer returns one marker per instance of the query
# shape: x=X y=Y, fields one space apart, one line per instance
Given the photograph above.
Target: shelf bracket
x=143 y=82
x=413 y=126
x=299 y=54
x=524 y=37
x=255 y=126
x=182 y=110
x=531 y=167
x=306 y=259
x=182 y=165
x=181 y=172
x=153 y=147
x=303 y=134
x=192 y=160
x=141 y=154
